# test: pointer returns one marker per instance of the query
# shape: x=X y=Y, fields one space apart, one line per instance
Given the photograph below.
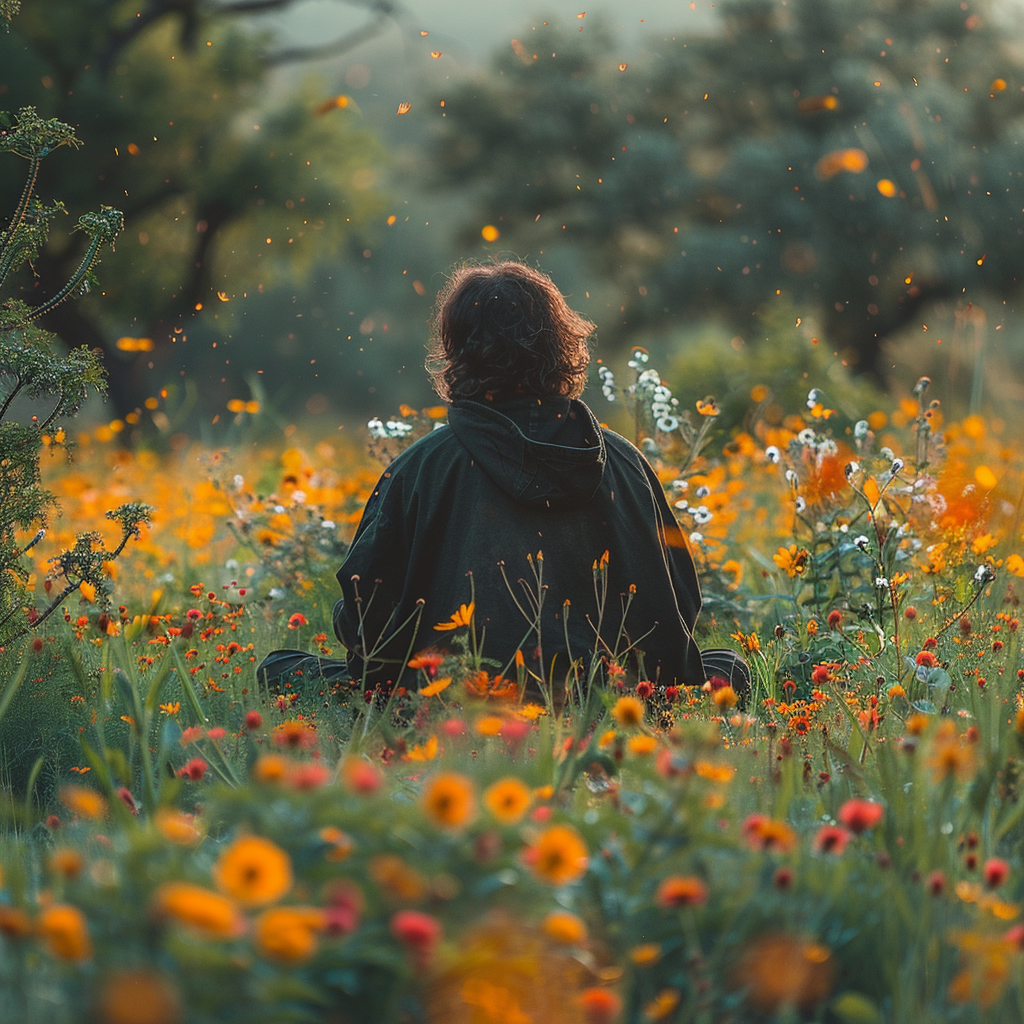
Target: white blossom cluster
x=392 y=428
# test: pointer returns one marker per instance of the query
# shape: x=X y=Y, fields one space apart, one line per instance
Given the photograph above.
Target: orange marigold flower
x=764 y=833
x=724 y=698
x=642 y=744
x=628 y=712
x=645 y=954
x=508 y=800
x=212 y=915
x=138 y=997
x=681 y=891
x=177 y=827
x=559 y=856
x=777 y=970
x=448 y=800
x=287 y=935
x=396 y=879
x=599 y=1005
x=86 y=803
x=463 y=617
x=64 y=930
x=253 y=870
x=270 y=768
x=662 y=1004
x=489 y=725
x=565 y=928
x=67 y=862
x=340 y=845
x=831 y=839
x=14 y=922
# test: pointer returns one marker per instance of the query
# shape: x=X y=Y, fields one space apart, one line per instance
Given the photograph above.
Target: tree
x=229 y=180
x=858 y=159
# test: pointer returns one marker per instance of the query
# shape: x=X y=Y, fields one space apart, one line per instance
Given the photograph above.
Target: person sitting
x=522 y=518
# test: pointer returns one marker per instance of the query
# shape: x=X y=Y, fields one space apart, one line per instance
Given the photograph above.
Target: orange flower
x=792 y=560
x=448 y=800
x=177 y=827
x=724 y=698
x=628 y=711
x=270 y=768
x=508 y=800
x=949 y=756
x=340 y=845
x=599 y=1005
x=86 y=803
x=14 y=922
x=67 y=862
x=662 y=1004
x=138 y=997
x=682 y=891
x=212 y=915
x=463 y=617
x=559 y=856
x=64 y=930
x=288 y=934
x=436 y=687
x=763 y=833
x=642 y=744
x=396 y=879
x=255 y=871
x=779 y=970
x=645 y=954
x=565 y=928
x=489 y=725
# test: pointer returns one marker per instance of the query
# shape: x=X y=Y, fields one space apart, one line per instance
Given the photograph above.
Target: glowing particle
x=334 y=103
x=404 y=108
x=982 y=260
x=435 y=54
x=391 y=220
x=223 y=296
x=886 y=187
x=134 y=344
x=832 y=163
x=581 y=15
x=622 y=67
x=997 y=86
x=424 y=33
x=490 y=233
x=812 y=104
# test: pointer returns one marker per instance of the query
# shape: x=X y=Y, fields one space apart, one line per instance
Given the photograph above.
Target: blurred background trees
x=793 y=187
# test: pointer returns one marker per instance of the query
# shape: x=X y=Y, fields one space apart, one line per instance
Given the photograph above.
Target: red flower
x=819 y=675
x=835 y=618
x=936 y=883
x=194 y=770
x=910 y=613
x=309 y=776
x=682 y=891
x=860 y=815
x=644 y=689
x=927 y=659
x=930 y=644
x=253 y=720
x=417 y=931
x=783 y=878
x=1015 y=936
x=297 y=619
x=216 y=733
x=429 y=661
x=995 y=872
x=129 y=801
x=831 y=839
x=343 y=908
x=671 y=694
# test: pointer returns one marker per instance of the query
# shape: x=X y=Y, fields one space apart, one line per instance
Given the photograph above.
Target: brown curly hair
x=504 y=328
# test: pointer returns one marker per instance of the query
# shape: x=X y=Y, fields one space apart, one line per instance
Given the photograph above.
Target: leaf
x=853 y=1008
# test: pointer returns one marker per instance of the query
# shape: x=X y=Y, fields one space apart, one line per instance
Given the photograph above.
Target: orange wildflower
x=559 y=856
x=565 y=928
x=599 y=1005
x=177 y=827
x=213 y=916
x=288 y=934
x=681 y=891
x=86 y=803
x=779 y=970
x=508 y=800
x=448 y=800
x=64 y=930
x=138 y=997
x=463 y=617
x=764 y=833
x=628 y=712
x=255 y=871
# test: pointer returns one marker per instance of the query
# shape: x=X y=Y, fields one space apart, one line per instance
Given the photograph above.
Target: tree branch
x=333 y=49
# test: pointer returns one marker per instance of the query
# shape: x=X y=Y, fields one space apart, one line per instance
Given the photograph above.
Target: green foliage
x=710 y=173
x=208 y=160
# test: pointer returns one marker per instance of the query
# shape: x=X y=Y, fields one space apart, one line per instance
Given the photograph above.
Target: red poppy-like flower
x=418 y=931
x=819 y=675
x=1015 y=936
x=936 y=883
x=835 y=618
x=644 y=689
x=860 y=815
x=297 y=619
x=995 y=872
x=194 y=770
x=671 y=694
x=831 y=839
x=783 y=878
x=927 y=659
x=930 y=644
x=682 y=891
x=253 y=720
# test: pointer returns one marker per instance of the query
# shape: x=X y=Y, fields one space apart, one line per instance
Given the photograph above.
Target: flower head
x=65 y=932
x=448 y=800
x=253 y=870
x=288 y=934
x=559 y=856
x=681 y=891
x=860 y=815
x=508 y=800
x=628 y=712
x=209 y=913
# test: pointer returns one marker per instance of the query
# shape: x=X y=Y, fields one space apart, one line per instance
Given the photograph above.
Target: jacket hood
x=540 y=450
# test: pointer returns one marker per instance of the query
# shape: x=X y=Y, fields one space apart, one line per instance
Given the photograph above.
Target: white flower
x=887 y=453
x=806 y=436
x=791 y=477
x=682 y=504
x=897 y=465
x=279 y=509
x=984 y=574
x=881 y=583
x=275 y=594
x=703 y=491
x=814 y=397
x=800 y=504
x=327 y=524
x=238 y=481
x=828 y=447
x=772 y=454
x=680 y=485
x=861 y=542
x=701 y=515
x=851 y=468
x=696 y=538
x=298 y=497
x=860 y=430
x=667 y=423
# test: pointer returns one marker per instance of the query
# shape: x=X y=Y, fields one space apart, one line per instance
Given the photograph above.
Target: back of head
x=505 y=329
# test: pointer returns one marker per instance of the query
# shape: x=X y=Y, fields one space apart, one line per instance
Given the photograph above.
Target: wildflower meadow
x=841 y=843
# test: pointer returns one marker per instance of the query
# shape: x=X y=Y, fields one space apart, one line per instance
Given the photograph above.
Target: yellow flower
x=288 y=934
x=628 y=711
x=565 y=928
x=66 y=861
x=724 y=698
x=171 y=708
x=87 y=590
x=714 y=772
x=949 y=756
x=559 y=856
x=254 y=871
x=212 y=915
x=270 y=768
x=463 y=617
x=662 y=1004
x=64 y=930
x=489 y=725
x=645 y=954
x=86 y=803
x=642 y=744
x=792 y=560
x=448 y=800
x=1015 y=564
x=508 y=800
x=423 y=751
x=531 y=712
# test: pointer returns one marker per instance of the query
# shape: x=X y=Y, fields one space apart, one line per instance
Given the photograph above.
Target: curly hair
x=504 y=328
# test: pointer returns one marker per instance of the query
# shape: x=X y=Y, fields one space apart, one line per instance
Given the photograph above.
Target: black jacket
x=536 y=476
